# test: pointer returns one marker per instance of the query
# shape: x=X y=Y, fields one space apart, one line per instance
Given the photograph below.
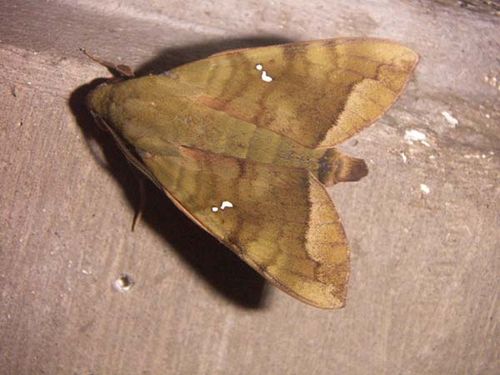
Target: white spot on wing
x=226 y=204
x=223 y=206
x=264 y=76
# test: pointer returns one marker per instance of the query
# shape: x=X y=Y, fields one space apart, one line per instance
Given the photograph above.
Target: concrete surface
x=423 y=295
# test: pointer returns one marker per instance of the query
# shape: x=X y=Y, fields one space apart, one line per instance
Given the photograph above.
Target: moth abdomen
x=331 y=167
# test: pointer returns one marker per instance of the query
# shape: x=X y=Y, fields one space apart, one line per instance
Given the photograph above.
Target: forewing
x=281 y=221
x=316 y=93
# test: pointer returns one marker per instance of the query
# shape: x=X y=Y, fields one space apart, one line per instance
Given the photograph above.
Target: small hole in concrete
x=124 y=283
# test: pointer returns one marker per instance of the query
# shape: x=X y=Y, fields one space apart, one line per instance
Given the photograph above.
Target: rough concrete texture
x=423 y=225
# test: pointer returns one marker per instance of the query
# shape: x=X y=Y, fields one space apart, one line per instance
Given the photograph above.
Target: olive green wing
x=281 y=221
x=317 y=93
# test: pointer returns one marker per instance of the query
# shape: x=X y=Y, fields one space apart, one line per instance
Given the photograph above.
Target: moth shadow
x=170 y=58
x=224 y=271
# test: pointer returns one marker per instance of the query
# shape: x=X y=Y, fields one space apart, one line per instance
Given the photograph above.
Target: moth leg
x=139 y=209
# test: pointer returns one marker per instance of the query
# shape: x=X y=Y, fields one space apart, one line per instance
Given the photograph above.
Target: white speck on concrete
x=425 y=143
x=450 y=119
x=403 y=156
x=413 y=135
x=425 y=189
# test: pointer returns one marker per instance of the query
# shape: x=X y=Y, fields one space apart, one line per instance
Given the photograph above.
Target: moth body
x=243 y=143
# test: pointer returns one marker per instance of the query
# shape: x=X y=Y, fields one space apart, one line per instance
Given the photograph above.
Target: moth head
x=98 y=100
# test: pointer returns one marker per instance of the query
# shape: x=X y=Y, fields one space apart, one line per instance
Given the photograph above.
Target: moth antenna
x=121 y=70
